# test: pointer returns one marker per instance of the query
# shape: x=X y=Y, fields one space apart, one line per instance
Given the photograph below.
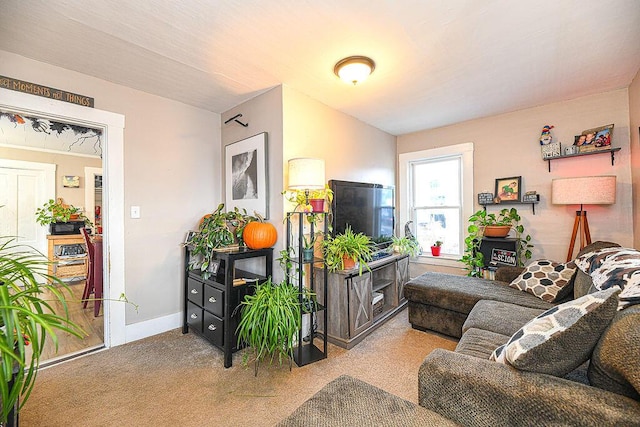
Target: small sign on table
x=504 y=256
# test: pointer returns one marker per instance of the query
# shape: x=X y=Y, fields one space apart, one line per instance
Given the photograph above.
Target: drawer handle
x=212 y=300
x=194 y=316
x=212 y=327
x=194 y=291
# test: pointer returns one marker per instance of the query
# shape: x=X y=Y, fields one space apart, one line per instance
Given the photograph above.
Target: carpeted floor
x=175 y=379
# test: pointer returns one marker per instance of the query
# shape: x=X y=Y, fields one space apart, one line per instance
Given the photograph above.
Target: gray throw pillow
x=548 y=280
x=615 y=362
x=614 y=267
x=563 y=337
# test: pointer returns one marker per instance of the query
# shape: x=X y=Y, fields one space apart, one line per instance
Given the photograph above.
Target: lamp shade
x=306 y=173
x=584 y=190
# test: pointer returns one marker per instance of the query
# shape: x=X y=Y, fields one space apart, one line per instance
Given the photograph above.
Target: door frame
x=112 y=125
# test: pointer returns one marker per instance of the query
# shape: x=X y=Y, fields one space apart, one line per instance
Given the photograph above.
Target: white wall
x=507 y=145
x=172 y=162
x=634 y=116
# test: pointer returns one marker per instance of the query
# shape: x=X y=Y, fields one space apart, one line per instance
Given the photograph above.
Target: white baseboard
x=138 y=331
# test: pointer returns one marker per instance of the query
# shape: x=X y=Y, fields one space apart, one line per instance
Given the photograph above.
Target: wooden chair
x=93 y=283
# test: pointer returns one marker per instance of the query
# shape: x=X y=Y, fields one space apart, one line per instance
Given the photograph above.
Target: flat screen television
x=367 y=208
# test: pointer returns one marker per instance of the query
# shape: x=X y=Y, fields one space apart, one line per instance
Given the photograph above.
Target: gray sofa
x=468 y=388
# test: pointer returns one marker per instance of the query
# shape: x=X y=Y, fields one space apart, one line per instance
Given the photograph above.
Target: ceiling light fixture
x=354 y=69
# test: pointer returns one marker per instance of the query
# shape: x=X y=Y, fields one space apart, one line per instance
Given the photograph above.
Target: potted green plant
x=309 y=200
x=217 y=230
x=269 y=322
x=26 y=319
x=308 y=247
x=55 y=212
x=343 y=251
x=317 y=198
x=479 y=222
x=435 y=248
x=406 y=245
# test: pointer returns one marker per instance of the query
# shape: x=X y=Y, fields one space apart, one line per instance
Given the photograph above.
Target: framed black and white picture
x=246 y=175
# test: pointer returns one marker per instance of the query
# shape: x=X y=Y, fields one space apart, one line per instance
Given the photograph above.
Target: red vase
x=435 y=250
x=317 y=205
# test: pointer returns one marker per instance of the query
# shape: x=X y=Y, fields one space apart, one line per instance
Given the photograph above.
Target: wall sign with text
x=45 y=91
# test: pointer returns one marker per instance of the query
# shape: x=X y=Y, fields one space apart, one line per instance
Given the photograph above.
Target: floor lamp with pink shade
x=584 y=190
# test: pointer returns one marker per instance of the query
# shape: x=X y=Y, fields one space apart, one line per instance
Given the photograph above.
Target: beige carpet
x=175 y=379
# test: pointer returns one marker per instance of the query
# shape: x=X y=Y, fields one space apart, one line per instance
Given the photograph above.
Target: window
x=436 y=195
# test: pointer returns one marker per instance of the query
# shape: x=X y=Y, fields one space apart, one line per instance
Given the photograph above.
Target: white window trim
x=405 y=159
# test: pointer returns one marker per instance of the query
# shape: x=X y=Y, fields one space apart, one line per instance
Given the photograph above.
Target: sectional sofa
x=583 y=367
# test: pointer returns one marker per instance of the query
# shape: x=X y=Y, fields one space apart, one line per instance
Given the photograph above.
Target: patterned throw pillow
x=563 y=337
x=614 y=267
x=550 y=281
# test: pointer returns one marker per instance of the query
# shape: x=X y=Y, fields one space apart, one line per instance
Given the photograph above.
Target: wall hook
x=235 y=118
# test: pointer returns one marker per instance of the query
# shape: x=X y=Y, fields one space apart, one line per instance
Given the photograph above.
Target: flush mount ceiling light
x=354 y=69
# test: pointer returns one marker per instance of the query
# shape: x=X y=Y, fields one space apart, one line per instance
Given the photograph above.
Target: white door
x=24 y=187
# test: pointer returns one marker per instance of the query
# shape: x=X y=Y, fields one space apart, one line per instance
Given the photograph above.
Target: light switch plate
x=135 y=212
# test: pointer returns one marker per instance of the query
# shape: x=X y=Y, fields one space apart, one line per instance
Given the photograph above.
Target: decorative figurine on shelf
x=545 y=137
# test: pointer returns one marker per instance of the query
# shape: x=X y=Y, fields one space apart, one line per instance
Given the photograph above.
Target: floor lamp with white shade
x=584 y=190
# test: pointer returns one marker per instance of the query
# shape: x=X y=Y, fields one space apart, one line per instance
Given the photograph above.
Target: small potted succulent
x=308 y=248
x=436 y=247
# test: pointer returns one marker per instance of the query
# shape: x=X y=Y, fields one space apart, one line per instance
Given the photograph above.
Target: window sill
x=444 y=261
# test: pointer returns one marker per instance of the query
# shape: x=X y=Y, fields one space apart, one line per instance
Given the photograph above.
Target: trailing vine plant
x=473 y=258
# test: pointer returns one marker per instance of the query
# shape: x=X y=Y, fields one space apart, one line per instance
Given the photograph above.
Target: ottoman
x=347 y=401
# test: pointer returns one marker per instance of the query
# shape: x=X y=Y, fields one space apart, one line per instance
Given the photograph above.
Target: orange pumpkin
x=259 y=235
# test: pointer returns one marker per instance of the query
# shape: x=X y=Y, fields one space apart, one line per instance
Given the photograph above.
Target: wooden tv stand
x=352 y=315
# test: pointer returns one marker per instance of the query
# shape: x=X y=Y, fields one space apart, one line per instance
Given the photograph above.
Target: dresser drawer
x=213 y=329
x=214 y=300
x=194 y=317
x=194 y=291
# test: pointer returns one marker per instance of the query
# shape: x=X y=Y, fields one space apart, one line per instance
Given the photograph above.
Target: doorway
x=112 y=126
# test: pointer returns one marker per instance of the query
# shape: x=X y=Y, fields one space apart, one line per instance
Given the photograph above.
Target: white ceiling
x=438 y=62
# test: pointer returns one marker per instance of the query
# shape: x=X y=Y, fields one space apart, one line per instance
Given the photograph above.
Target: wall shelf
x=532 y=203
x=612 y=151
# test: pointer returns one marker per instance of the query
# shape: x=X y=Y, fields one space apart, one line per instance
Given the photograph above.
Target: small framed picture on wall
x=508 y=189
x=71 y=181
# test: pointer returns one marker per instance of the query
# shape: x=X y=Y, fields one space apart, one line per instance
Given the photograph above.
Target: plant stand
x=312 y=340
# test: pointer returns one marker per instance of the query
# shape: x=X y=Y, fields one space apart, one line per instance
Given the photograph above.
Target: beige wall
x=172 y=161
x=66 y=165
x=507 y=145
x=352 y=149
x=634 y=116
